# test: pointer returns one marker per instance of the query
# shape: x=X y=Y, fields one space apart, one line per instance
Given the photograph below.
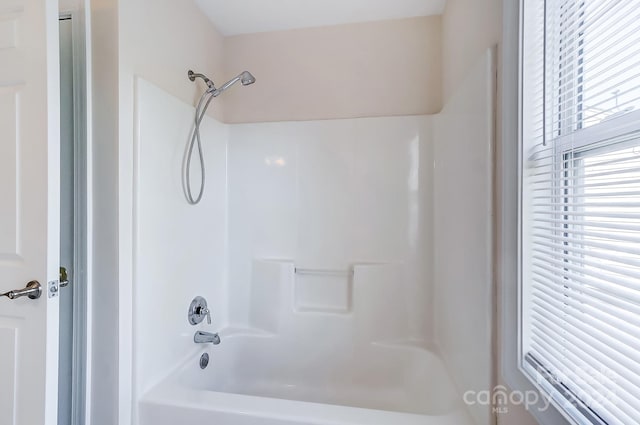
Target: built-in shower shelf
x=323 y=291
x=360 y=297
x=324 y=272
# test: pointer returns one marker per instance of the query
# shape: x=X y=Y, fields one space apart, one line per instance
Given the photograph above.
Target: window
x=580 y=207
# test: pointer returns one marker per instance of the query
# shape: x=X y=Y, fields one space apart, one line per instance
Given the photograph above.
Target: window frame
x=516 y=373
x=598 y=138
x=508 y=208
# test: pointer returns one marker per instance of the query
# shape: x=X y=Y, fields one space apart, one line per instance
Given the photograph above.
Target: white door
x=29 y=209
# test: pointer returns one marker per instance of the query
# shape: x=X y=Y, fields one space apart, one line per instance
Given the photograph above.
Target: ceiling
x=233 y=17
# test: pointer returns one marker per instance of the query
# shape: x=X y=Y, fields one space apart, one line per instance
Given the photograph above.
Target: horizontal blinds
x=582 y=262
x=581 y=202
x=592 y=63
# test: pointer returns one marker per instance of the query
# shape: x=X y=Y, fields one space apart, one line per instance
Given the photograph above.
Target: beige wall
x=469 y=27
x=102 y=269
x=344 y=71
x=160 y=42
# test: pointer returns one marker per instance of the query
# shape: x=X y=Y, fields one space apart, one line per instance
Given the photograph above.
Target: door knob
x=33 y=290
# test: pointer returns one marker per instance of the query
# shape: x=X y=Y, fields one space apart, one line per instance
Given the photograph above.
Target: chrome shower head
x=245 y=78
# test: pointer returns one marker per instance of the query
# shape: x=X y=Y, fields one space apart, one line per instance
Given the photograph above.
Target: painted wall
x=179 y=250
x=160 y=42
x=103 y=340
x=328 y=195
x=463 y=208
x=344 y=71
x=469 y=27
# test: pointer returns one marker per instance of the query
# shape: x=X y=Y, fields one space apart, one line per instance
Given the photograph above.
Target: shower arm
x=193 y=75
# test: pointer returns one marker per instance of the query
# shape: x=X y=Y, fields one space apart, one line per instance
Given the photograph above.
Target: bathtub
x=267 y=380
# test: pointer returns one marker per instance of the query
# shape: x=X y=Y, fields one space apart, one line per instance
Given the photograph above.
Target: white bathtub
x=265 y=380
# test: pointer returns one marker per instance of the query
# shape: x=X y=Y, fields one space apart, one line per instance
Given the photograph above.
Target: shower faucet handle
x=198 y=310
x=205 y=311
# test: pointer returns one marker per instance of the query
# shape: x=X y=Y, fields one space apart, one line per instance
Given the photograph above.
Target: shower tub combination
x=265 y=380
x=317 y=347
x=299 y=363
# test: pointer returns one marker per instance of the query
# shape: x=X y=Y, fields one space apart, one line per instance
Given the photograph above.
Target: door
x=29 y=210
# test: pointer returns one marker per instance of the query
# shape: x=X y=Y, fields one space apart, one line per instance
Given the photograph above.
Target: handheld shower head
x=245 y=78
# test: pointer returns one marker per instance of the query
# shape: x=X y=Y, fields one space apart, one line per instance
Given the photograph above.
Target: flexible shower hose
x=195 y=140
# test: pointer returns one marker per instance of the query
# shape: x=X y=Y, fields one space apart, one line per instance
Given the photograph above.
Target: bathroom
x=294 y=212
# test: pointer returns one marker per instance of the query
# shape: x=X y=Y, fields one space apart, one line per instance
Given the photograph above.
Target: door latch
x=64 y=277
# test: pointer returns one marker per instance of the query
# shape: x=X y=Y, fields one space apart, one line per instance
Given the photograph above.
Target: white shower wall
x=357 y=195
x=325 y=195
x=330 y=195
x=179 y=250
x=333 y=196
x=463 y=224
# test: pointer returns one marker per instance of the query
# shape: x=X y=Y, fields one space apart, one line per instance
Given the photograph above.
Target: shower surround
x=314 y=247
x=340 y=202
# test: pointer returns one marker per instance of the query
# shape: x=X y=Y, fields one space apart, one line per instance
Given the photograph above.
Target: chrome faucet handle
x=198 y=310
x=205 y=311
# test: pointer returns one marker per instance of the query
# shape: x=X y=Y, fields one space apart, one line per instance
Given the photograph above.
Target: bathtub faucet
x=201 y=337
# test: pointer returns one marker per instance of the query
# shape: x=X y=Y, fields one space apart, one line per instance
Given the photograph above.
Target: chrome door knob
x=33 y=290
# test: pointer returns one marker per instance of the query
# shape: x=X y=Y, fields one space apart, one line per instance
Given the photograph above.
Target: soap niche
x=364 y=299
x=323 y=291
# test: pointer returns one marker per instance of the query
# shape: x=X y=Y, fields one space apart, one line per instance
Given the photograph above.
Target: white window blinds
x=580 y=206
